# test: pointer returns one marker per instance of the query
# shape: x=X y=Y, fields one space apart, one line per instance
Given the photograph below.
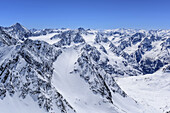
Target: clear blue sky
x=96 y=14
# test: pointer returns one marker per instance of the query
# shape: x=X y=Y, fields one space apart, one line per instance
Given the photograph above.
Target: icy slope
x=152 y=90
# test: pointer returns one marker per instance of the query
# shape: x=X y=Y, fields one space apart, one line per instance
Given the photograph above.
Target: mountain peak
x=17 y=25
x=20 y=27
x=17 y=31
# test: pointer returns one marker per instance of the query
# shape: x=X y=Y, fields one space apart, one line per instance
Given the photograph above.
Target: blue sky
x=96 y=14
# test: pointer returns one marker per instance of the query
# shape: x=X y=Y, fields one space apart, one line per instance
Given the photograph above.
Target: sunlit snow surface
x=19 y=105
x=152 y=90
x=46 y=38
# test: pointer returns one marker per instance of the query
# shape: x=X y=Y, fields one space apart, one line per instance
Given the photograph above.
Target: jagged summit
x=17 y=31
x=17 y=25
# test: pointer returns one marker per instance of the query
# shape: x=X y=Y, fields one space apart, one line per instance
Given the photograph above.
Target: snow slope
x=152 y=90
x=78 y=94
x=18 y=105
x=89 y=38
x=75 y=89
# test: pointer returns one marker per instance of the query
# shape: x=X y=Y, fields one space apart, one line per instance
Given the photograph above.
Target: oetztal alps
x=84 y=70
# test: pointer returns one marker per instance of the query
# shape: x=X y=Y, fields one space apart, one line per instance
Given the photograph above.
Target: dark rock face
x=28 y=72
x=124 y=44
x=6 y=39
x=103 y=49
x=100 y=80
x=137 y=38
x=167 y=69
x=166 y=44
x=101 y=38
x=150 y=66
x=30 y=83
x=146 y=45
x=68 y=37
x=78 y=39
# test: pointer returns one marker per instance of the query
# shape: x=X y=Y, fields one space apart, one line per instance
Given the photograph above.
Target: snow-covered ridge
x=65 y=70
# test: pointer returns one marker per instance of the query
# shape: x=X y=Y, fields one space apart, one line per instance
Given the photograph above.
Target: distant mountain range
x=84 y=70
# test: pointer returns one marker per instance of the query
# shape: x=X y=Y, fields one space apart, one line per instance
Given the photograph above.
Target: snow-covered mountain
x=17 y=31
x=83 y=71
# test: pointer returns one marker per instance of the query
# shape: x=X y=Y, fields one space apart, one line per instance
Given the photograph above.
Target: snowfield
x=18 y=105
x=46 y=38
x=152 y=90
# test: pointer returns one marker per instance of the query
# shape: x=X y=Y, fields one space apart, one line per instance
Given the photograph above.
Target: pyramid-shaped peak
x=18 y=26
